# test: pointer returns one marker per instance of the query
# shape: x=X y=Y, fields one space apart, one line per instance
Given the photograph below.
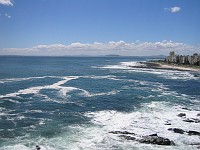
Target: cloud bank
x=6 y=2
x=173 y=9
x=95 y=49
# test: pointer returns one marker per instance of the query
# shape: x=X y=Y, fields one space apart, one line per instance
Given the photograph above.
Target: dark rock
x=186 y=108
x=37 y=147
x=168 y=123
x=194 y=144
x=127 y=137
x=121 y=132
x=181 y=115
x=155 y=140
x=153 y=134
x=176 y=130
x=149 y=139
x=198 y=114
x=189 y=120
x=194 y=120
x=193 y=133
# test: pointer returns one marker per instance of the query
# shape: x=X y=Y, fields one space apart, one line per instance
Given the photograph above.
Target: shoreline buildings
x=183 y=59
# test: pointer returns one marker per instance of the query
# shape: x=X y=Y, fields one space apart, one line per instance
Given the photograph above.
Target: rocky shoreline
x=157 y=65
x=158 y=140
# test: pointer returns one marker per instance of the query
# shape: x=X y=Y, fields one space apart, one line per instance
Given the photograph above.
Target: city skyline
x=90 y=27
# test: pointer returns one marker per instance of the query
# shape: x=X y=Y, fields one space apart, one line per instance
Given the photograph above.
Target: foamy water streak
x=35 y=90
x=24 y=79
x=63 y=89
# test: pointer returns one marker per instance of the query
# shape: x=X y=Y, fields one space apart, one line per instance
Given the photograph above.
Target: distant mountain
x=112 y=55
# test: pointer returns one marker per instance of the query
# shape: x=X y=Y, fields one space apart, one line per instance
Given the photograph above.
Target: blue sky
x=126 y=27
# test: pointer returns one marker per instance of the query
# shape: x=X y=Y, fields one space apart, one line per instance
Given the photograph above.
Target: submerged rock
x=194 y=120
x=149 y=139
x=168 y=123
x=177 y=130
x=181 y=115
x=186 y=108
x=37 y=147
x=193 y=133
x=128 y=137
x=121 y=132
x=153 y=135
x=181 y=131
x=156 y=140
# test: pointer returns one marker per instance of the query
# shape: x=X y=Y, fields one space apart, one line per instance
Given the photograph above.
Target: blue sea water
x=73 y=103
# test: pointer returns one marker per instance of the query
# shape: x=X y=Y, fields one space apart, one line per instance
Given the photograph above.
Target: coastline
x=175 y=67
x=164 y=66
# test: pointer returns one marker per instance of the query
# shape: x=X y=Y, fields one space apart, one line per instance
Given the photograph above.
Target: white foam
x=101 y=77
x=34 y=90
x=88 y=94
x=24 y=147
x=24 y=79
x=150 y=119
x=122 y=65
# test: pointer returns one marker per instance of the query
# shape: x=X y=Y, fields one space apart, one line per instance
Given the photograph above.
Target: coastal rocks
x=193 y=133
x=181 y=115
x=181 y=131
x=168 y=123
x=38 y=147
x=176 y=130
x=190 y=120
x=149 y=139
x=121 y=132
x=154 y=139
x=127 y=137
x=185 y=108
x=194 y=120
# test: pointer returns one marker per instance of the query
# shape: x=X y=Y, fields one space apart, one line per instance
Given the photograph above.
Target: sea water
x=73 y=103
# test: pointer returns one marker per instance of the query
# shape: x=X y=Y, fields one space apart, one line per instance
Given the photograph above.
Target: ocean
x=74 y=103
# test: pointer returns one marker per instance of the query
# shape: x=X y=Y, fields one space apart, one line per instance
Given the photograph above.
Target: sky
x=99 y=27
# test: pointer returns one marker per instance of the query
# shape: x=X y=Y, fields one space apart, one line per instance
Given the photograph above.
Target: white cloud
x=8 y=16
x=173 y=9
x=94 y=49
x=6 y=2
